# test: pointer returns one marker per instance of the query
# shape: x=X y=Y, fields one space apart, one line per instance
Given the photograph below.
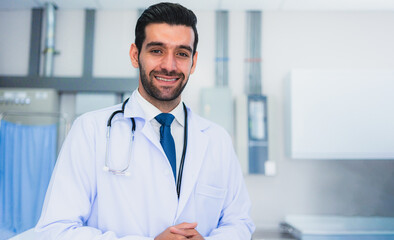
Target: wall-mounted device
x=257 y=132
x=252 y=133
x=26 y=101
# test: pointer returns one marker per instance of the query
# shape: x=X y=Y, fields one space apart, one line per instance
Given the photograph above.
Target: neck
x=163 y=106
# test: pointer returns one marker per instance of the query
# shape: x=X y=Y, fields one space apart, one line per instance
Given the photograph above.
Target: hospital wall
x=327 y=40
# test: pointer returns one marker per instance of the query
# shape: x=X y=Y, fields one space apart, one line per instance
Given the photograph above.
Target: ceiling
x=275 y=5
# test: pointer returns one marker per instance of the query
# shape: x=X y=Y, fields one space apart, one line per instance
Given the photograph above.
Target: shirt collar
x=151 y=111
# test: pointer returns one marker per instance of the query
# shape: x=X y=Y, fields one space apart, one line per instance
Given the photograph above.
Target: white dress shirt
x=177 y=126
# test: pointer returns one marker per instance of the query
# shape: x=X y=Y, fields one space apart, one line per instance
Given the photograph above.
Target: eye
x=183 y=54
x=156 y=51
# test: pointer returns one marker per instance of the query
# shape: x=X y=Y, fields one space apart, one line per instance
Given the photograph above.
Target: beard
x=162 y=93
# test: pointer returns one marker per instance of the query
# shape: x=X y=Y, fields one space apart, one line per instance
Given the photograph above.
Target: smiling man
x=165 y=59
x=162 y=172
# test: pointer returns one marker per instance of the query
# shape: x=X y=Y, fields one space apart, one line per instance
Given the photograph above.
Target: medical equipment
x=252 y=134
x=123 y=171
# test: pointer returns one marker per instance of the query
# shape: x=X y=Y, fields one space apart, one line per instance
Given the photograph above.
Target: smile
x=166 y=79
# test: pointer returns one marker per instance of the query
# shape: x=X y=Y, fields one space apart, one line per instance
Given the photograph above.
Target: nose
x=169 y=62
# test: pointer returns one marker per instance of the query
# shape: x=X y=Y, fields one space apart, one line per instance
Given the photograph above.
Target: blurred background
x=304 y=87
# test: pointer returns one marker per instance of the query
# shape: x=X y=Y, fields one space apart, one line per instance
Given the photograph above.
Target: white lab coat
x=85 y=202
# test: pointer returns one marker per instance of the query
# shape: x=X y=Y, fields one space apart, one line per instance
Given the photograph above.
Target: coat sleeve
x=72 y=190
x=235 y=222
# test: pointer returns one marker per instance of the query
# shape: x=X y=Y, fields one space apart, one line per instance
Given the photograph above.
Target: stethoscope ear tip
x=106 y=169
x=127 y=174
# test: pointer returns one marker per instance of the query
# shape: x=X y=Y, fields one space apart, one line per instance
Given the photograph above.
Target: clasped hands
x=180 y=231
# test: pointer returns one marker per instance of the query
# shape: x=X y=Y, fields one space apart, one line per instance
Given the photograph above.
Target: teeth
x=166 y=80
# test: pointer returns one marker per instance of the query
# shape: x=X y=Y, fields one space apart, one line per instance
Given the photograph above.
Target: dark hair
x=170 y=13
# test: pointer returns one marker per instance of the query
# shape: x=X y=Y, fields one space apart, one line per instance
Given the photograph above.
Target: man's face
x=165 y=61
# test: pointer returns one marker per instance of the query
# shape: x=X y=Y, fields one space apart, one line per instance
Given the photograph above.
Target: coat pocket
x=210 y=191
x=208 y=207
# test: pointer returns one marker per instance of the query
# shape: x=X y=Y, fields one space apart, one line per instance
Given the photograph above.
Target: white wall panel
x=342 y=114
x=14 y=42
x=85 y=102
x=114 y=35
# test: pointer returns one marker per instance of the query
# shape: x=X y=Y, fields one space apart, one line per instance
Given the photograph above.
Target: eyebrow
x=151 y=44
x=188 y=48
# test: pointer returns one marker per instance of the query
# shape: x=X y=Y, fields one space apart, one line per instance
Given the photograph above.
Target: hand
x=186 y=230
x=189 y=233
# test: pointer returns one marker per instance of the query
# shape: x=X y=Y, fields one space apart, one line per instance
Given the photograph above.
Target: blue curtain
x=27 y=158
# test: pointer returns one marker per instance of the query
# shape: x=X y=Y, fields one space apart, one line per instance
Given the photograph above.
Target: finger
x=197 y=236
x=178 y=237
x=184 y=232
x=186 y=225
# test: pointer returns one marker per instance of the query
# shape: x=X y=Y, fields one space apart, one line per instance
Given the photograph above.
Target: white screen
x=341 y=114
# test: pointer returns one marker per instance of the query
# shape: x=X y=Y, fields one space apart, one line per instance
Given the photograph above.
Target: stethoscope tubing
x=133 y=126
x=182 y=163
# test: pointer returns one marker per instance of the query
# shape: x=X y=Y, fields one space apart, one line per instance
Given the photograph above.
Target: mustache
x=167 y=73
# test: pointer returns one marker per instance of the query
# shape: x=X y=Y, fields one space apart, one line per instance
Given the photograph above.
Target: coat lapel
x=195 y=155
x=195 y=152
x=133 y=109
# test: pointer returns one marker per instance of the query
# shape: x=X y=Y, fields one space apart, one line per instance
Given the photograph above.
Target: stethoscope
x=123 y=171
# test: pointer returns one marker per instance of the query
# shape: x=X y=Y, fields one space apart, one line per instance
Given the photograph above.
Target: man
x=163 y=181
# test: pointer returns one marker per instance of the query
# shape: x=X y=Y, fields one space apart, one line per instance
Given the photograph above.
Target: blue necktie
x=166 y=139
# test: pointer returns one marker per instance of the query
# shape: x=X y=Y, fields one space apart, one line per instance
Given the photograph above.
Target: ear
x=134 y=55
x=194 y=62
